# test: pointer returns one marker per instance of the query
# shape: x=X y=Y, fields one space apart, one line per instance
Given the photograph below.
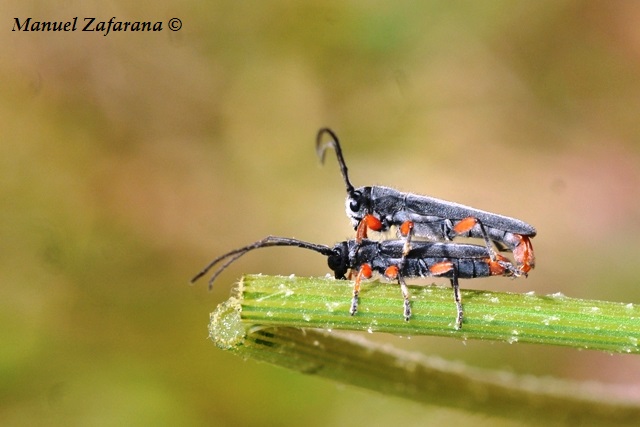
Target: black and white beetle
x=388 y=257
x=379 y=208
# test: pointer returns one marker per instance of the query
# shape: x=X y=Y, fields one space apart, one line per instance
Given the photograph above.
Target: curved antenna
x=268 y=241
x=335 y=143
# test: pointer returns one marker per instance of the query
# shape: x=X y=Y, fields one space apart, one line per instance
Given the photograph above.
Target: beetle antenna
x=268 y=241
x=335 y=143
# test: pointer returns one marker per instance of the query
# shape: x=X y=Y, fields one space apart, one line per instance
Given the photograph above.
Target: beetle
x=379 y=208
x=425 y=259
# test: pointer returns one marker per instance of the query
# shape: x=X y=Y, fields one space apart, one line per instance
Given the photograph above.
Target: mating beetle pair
x=435 y=222
x=378 y=208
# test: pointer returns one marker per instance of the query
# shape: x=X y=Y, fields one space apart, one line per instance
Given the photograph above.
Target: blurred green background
x=128 y=161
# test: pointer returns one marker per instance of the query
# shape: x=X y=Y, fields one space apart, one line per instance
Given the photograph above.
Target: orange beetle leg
x=406 y=228
x=465 y=225
x=372 y=222
x=361 y=231
x=523 y=255
x=369 y=222
x=391 y=272
x=441 y=268
x=365 y=272
x=498 y=267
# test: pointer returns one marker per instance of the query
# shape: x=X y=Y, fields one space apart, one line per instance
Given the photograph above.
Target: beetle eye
x=354 y=202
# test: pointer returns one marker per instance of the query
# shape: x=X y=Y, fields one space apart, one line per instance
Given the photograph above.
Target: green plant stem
x=555 y=320
x=268 y=318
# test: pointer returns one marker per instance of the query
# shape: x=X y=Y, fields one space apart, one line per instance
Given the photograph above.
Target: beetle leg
x=405 y=295
x=406 y=231
x=523 y=254
x=443 y=268
x=392 y=272
x=447 y=226
x=457 y=298
x=361 y=231
x=465 y=225
x=502 y=267
x=369 y=222
x=364 y=273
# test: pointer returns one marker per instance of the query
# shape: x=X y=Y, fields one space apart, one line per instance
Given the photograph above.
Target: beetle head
x=358 y=204
x=338 y=260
